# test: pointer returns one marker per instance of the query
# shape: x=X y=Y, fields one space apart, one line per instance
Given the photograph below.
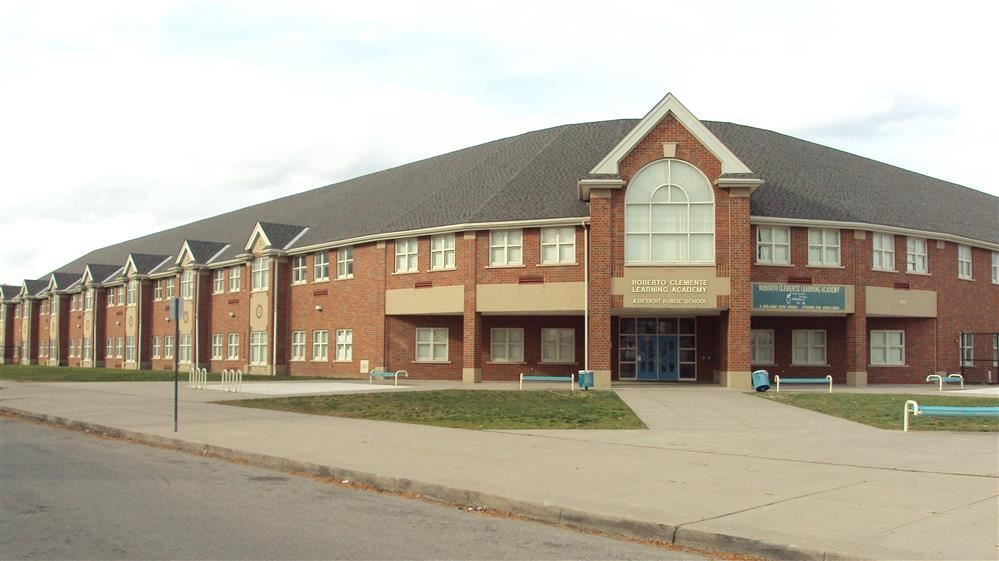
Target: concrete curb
x=541 y=512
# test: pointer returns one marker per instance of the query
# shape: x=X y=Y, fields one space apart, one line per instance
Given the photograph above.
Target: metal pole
x=176 y=356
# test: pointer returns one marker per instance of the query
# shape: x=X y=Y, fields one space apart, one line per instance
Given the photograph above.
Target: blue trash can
x=585 y=379
x=761 y=380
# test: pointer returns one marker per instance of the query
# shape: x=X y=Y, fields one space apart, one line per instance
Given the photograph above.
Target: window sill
x=501 y=362
x=557 y=264
x=345 y=277
x=824 y=267
x=296 y=360
x=888 y=366
x=676 y=264
x=969 y=279
x=759 y=264
x=406 y=272
x=442 y=270
x=321 y=281
x=520 y=266
x=318 y=360
x=810 y=365
x=256 y=290
x=299 y=283
x=559 y=363
x=344 y=361
x=873 y=270
x=921 y=274
x=431 y=362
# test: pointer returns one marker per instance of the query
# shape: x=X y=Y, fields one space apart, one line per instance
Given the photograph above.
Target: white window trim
x=559 y=333
x=913 y=255
x=444 y=251
x=235 y=278
x=261 y=346
x=970 y=348
x=320 y=340
x=887 y=255
x=156 y=346
x=299 y=275
x=232 y=341
x=961 y=262
x=886 y=333
x=320 y=266
x=507 y=345
x=446 y=344
x=773 y=244
x=347 y=345
x=260 y=274
x=407 y=248
x=184 y=350
x=756 y=346
x=297 y=346
x=823 y=245
x=345 y=261
x=187 y=285
x=995 y=267
x=218 y=281
x=218 y=345
x=506 y=246
x=168 y=347
x=558 y=244
x=809 y=347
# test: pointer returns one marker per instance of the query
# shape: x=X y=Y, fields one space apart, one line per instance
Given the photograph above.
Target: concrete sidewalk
x=718 y=469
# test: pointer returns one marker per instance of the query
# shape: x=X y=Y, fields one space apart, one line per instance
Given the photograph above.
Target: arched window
x=669 y=215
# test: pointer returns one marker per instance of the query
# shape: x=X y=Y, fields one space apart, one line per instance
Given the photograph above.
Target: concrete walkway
x=717 y=469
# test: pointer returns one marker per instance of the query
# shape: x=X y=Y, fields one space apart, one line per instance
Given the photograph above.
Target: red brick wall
x=401 y=334
x=229 y=312
x=532 y=326
x=835 y=328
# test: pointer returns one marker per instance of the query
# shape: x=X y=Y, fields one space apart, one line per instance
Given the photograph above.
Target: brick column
x=735 y=370
x=601 y=238
x=856 y=323
x=471 y=340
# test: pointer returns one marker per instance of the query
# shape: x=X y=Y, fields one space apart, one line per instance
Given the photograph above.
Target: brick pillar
x=601 y=238
x=856 y=323
x=735 y=372
x=471 y=340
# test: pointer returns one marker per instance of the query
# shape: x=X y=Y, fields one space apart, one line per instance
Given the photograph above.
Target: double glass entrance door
x=657 y=357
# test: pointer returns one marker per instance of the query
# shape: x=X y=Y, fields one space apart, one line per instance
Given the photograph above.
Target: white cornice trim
x=769 y=220
x=730 y=163
x=585 y=186
x=296 y=238
x=257 y=231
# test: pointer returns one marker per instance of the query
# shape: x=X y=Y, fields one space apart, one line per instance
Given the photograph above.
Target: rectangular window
x=130 y=348
x=506 y=247
x=507 y=344
x=297 y=345
x=773 y=245
x=133 y=292
x=88 y=300
x=442 y=252
x=110 y=350
x=995 y=267
x=345 y=263
x=169 y=289
x=808 y=347
x=217 y=342
x=218 y=281
x=320 y=344
x=964 y=262
x=883 y=252
x=157 y=291
x=184 y=349
x=887 y=348
x=187 y=285
x=119 y=346
x=558 y=245
x=235 y=278
x=967 y=349
x=233 y=346
x=406 y=260
x=321 y=266
x=558 y=345
x=995 y=349
x=259 y=272
x=156 y=346
x=298 y=275
x=258 y=348
x=344 y=345
x=86 y=350
x=763 y=346
x=168 y=346
x=431 y=344
x=915 y=255
x=823 y=247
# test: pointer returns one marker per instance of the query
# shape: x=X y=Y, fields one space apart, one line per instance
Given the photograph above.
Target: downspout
x=138 y=325
x=197 y=320
x=274 y=289
x=586 y=296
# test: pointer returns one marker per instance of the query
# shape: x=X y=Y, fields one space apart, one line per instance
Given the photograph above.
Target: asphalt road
x=67 y=495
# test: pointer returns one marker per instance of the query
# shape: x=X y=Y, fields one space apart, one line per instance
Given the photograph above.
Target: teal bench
x=385 y=374
x=944 y=411
x=949 y=378
x=571 y=378
x=778 y=380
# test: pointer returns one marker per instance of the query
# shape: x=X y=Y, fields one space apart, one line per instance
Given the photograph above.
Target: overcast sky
x=118 y=119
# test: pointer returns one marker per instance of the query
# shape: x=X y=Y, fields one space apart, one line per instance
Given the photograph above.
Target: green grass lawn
x=885 y=410
x=470 y=409
x=37 y=373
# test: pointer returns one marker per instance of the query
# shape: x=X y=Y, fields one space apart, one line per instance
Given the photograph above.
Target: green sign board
x=801 y=297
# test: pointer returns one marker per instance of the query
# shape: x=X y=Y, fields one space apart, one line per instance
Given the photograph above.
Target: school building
x=660 y=249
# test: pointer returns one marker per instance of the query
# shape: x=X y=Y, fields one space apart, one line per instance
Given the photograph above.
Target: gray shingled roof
x=65 y=280
x=280 y=235
x=534 y=176
x=102 y=272
x=145 y=262
x=36 y=286
x=203 y=251
x=9 y=291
